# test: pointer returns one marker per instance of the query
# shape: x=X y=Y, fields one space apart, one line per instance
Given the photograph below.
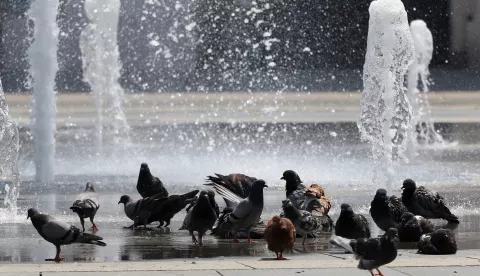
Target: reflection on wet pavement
x=21 y=243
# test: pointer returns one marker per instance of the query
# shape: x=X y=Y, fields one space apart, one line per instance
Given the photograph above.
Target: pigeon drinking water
x=86 y=206
x=60 y=233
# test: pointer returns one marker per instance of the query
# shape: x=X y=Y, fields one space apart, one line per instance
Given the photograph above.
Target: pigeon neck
x=256 y=196
x=291 y=187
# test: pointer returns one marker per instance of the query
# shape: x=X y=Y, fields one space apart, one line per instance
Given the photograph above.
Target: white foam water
x=418 y=82
x=101 y=65
x=385 y=109
x=43 y=68
x=9 y=147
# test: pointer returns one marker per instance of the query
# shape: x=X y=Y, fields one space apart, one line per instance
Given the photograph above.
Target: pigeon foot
x=56 y=259
x=235 y=240
x=280 y=258
x=379 y=273
x=250 y=241
x=94 y=229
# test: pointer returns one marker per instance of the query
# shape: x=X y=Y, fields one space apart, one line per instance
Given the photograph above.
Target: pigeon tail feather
x=91 y=239
x=342 y=242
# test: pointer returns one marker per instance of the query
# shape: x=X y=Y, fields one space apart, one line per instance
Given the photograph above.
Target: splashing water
x=418 y=95
x=43 y=59
x=9 y=147
x=385 y=109
x=101 y=66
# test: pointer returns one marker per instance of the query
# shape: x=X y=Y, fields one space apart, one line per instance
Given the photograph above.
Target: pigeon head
x=211 y=194
x=409 y=184
x=407 y=216
x=259 y=185
x=89 y=187
x=144 y=167
x=32 y=212
x=381 y=194
x=392 y=235
x=256 y=192
x=346 y=209
x=202 y=193
x=291 y=176
x=125 y=199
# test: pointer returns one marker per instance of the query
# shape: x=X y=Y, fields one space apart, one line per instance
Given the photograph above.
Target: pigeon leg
x=194 y=240
x=94 y=227
x=161 y=224
x=379 y=272
x=304 y=239
x=168 y=222
x=82 y=221
x=250 y=241
x=371 y=273
x=200 y=239
x=235 y=239
x=57 y=258
x=281 y=257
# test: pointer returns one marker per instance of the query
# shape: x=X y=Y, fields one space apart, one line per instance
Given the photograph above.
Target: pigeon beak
x=28 y=216
x=265 y=186
x=283 y=178
x=119 y=202
x=402 y=188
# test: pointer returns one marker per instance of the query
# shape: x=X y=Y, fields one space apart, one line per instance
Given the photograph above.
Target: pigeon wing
x=396 y=208
x=308 y=222
x=243 y=209
x=231 y=199
x=56 y=231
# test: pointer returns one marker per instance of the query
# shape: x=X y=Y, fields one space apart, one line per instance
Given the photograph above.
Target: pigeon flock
x=304 y=213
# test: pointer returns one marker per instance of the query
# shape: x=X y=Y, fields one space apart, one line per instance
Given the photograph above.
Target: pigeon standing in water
x=60 y=233
x=200 y=218
x=280 y=235
x=86 y=206
x=412 y=227
x=305 y=223
x=439 y=242
x=371 y=253
x=149 y=185
x=293 y=182
x=237 y=183
x=386 y=210
x=139 y=210
x=350 y=225
x=246 y=213
x=420 y=201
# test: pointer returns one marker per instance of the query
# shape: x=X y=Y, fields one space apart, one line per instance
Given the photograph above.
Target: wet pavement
x=21 y=243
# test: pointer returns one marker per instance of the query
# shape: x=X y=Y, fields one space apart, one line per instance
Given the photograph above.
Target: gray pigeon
x=149 y=185
x=86 y=206
x=139 y=210
x=59 y=232
x=423 y=202
x=293 y=182
x=200 y=218
x=371 y=253
x=246 y=213
x=305 y=223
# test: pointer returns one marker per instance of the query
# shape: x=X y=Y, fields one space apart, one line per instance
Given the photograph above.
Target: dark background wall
x=232 y=45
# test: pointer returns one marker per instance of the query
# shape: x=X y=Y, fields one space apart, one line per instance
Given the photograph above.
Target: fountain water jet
x=385 y=109
x=101 y=66
x=9 y=146
x=43 y=59
x=418 y=95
